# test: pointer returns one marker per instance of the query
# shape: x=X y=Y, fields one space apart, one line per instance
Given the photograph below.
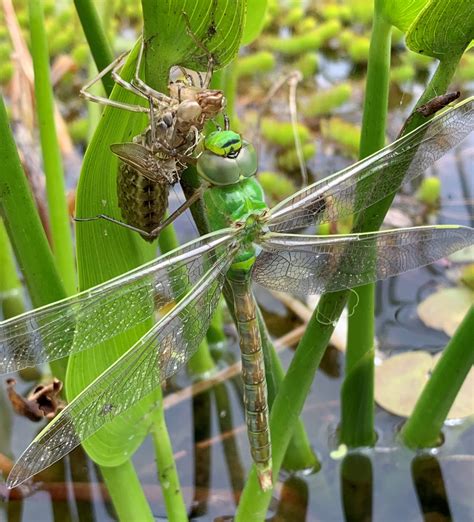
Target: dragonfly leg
x=153 y=234
x=114 y=66
x=192 y=199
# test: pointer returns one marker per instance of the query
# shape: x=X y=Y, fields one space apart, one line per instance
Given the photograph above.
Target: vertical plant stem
x=357 y=402
x=11 y=293
x=423 y=428
x=96 y=38
x=115 y=478
x=290 y=399
x=167 y=472
x=438 y=84
x=55 y=188
x=25 y=231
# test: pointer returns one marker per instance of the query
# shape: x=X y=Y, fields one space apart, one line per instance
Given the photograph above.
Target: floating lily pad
x=399 y=381
x=445 y=309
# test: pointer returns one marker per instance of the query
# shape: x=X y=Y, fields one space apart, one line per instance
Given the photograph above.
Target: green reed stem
x=423 y=428
x=11 y=292
x=357 y=393
x=129 y=503
x=25 y=230
x=52 y=161
x=167 y=472
x=96 y=38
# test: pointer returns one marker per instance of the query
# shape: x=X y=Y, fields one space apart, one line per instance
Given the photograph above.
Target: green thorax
x=234 y=194
x=242 y=202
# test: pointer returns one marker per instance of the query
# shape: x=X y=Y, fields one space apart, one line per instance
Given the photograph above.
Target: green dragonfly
x=249 y=242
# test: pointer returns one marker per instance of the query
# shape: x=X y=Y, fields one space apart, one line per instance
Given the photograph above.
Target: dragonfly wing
x=302 y=264
x=156 y=356
x=139 y=158
x=377 y=176
x=83 y=321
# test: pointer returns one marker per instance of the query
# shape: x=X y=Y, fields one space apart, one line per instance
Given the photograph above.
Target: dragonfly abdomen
x=143 y=203
x=253 y=375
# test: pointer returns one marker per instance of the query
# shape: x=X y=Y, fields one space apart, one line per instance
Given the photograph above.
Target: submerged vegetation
x=200 y=88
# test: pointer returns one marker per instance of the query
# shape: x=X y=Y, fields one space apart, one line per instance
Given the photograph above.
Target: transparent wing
x=376 y=176
x=303 y=264
x=156 y=356
x=86 y=319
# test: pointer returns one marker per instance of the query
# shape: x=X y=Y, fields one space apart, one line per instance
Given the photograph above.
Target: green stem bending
x=96 y=38
x=132 y=505
x=423 y=428
x=25 y=231
x=55 y=186
x=357 y=401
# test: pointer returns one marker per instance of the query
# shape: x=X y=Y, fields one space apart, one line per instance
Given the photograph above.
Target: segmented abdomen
x=253 y=375
x=143 y=203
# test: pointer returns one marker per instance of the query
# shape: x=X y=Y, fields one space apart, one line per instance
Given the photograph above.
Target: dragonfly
x=155 y=159
x=248 y=242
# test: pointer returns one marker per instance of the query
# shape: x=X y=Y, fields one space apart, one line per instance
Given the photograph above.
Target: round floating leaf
x=254 y=20
x=444 y=310
x=443 y=28
x=399 y=381
x=402 y=13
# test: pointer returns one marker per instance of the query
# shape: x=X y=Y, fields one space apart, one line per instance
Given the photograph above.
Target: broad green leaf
x=105 y=250
x=402 y=13
x=443 y=28
x=254 y=20
x=216 y=25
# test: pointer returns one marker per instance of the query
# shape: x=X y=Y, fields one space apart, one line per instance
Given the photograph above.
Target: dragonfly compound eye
x=225 y=170
x=223 y=143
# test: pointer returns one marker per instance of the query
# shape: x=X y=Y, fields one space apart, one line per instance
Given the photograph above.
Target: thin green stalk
x=357 y=401
x=167 y=472
x=215 y=332
x=290 y=399
x=11 y=292
x=55 y=187
x=25 y=231
x=423 y=428
x=438 y=84
x=127 y=510
x=96 y=38
x=299 y=454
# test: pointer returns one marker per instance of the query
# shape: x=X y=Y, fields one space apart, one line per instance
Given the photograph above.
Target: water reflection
x=430 y=488
x=357 y=487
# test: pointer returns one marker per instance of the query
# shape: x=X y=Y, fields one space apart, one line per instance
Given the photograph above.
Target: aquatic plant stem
x=25 y=231
x=423 y=428
x=290 y=399
x=11 y=293
x=96 y=38
x=126 y=493
x=52 y=161
x=438 y=84
x=167 y=472
x=357 y=393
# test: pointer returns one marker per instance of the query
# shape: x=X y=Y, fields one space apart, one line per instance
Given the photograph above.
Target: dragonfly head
x=227 y=159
